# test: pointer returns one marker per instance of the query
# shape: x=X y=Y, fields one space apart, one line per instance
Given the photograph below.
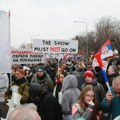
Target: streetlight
x=86 y=33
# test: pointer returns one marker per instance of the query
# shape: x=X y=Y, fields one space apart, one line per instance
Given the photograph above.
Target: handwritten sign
x=26 y=57
x=55 y=46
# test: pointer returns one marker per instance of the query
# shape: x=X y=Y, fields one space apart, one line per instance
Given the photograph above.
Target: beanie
x=89 y=74
x=21 y=71
x=40 y=68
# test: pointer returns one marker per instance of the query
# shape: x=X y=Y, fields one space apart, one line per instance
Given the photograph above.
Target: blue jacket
x=113 y=107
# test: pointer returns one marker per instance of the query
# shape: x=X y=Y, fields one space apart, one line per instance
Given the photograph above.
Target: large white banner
x=5 y=59
x=25 y=56
x=55 y=46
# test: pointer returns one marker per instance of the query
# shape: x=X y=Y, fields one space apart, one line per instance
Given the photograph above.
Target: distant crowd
x=65 y=89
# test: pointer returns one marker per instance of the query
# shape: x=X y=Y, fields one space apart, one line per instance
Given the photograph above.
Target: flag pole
x=99 y=60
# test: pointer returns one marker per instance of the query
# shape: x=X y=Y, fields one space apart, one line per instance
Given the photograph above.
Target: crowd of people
x=68 y=90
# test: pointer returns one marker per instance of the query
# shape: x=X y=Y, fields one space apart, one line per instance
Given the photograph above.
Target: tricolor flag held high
x=100 y=63
x=106 y=50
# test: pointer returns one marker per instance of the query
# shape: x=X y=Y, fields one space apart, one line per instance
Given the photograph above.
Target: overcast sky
x=53 y=19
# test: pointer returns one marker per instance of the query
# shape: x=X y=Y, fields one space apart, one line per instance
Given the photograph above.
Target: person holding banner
x=111 y=103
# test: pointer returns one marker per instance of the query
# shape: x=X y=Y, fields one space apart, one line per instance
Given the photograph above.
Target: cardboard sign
x=26 y=57
x=55 y=46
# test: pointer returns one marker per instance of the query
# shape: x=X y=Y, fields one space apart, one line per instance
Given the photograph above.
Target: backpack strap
x=99 y=90
x=80 y=110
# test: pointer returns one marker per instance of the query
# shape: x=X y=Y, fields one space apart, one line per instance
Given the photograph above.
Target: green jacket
x=45 y=81
x=23 y=91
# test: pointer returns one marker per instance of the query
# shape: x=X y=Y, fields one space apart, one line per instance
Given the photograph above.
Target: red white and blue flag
x=106 y=50
x=66 y=56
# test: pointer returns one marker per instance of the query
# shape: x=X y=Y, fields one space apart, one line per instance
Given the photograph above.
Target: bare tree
x=108 y=28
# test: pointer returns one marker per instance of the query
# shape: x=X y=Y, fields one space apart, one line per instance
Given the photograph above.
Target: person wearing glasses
x=86 y=108
x=111 y=103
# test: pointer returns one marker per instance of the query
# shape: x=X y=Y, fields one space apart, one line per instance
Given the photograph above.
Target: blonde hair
x=25 y=112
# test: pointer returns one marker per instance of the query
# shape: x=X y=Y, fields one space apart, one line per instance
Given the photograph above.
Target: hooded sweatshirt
x=70 y=94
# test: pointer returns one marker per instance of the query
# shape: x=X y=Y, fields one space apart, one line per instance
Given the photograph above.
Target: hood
x=69 y=81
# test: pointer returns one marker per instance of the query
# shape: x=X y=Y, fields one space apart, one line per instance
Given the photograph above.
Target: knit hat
x=21 y=71
x=89 y=73
x=40 y=68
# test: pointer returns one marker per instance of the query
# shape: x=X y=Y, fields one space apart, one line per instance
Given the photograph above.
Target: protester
x=4 y=82
x=25 y=112
x=112 y=72
x=43 y=79
x=90 y=79
x=118 y=65
x=99 y=77
x=58 y=87
x=86 y=107
x=22 y=83
x=52 y=70
x=47 y=106
x=65 y=67
x=111 y=103
x=70 y=95
x=28 y=74
x=13 y=75
x=79 y=72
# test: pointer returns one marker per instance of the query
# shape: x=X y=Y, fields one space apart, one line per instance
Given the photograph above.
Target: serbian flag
x=100 y=63
x=66 y=56
x=106 y=50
